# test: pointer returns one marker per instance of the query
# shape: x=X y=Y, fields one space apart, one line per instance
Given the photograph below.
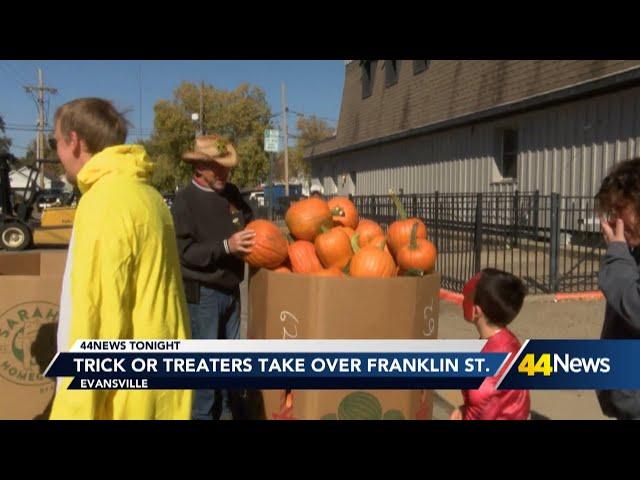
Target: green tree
x=239 y=115
x=310 y=130
x=49 y=168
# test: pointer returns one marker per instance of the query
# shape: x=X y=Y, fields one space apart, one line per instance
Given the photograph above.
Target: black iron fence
x=280 y=207
x=552 y=243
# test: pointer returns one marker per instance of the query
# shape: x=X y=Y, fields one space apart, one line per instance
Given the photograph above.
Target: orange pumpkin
x=303 y=258
x=304 y=218
x=348 y=230
x=333 y=248
x=343 y=211
x=282 y=269
x=419 y=255
x=371 y=262
x=329 y=272
x=399 y=233
x=270 y=248
x=380 y=241
x=367 y=230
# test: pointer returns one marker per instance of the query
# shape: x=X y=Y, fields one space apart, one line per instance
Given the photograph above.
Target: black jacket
x=203 y=220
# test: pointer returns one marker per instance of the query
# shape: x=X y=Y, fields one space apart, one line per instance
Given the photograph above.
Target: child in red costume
x=492 y=299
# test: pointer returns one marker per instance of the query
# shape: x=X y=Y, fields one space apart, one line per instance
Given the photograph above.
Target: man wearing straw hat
x=209 y=215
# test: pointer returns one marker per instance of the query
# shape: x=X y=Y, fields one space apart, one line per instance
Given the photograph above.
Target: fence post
x=477 y=237
x=414 y=206
x=516 y=218
x=374 y=208
x=555 y=242
x=536 y=213
x=437 y=220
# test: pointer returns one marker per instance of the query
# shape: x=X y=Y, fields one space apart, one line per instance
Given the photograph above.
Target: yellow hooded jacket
x=125 y=281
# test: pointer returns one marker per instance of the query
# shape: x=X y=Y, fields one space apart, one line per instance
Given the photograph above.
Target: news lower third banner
x=346 y=364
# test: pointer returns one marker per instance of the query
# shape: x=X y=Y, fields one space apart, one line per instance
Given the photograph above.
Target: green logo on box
x=19 y=327
x=362 y=406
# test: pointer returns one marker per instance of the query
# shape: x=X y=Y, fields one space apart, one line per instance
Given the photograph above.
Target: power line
x=18 y=74
x=11 y=70
x=21 y=74
x=11 y=74
x=29 y=129
x=12 y=124
x=309 y=116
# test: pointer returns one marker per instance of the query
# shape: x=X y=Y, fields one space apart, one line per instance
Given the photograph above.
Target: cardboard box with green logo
x=30 y=284
x=289 y=306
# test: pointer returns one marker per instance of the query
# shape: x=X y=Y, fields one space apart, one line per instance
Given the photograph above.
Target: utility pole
x=41 y=88
x=202 y=108
x=285 y=111
x=140 y=85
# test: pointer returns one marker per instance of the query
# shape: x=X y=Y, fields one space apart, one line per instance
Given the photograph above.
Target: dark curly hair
x=620 y=188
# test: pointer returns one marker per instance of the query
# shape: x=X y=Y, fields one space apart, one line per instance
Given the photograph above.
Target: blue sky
x=312 y=87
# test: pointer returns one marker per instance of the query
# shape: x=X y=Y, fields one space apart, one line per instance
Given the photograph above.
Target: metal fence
x=552 y=243
x=280 y=207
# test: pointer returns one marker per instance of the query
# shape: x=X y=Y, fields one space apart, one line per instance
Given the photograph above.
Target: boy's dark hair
x=620 y=187
x=500 y=296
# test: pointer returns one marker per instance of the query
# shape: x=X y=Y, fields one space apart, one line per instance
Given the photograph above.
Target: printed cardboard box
x=30 y=284
x=289 y=306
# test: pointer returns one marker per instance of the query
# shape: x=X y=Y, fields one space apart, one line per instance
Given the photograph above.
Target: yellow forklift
x=19 y=227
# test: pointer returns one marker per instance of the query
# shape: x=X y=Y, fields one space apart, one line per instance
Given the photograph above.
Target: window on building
x=508 y=165
x=391 y=68
x=420 y=66
x=368 y=73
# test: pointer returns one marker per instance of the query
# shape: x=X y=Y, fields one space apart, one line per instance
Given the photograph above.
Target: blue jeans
x=217 y=316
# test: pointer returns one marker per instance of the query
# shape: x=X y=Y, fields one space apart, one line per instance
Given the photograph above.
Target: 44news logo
x=547 y=364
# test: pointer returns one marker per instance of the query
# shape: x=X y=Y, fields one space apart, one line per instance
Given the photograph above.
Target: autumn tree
x=239 y=115
x=310 y=130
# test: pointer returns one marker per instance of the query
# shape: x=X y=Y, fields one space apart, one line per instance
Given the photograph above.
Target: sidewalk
x=538 y=319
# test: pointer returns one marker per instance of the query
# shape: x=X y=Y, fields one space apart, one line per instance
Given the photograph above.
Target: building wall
x=565 y=149
x=449 y=89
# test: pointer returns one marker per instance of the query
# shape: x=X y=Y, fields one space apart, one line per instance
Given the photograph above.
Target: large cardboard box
x=30 y=284
x=289 y=306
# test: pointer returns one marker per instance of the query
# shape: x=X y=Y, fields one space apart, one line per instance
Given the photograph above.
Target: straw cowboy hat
x=211 y=148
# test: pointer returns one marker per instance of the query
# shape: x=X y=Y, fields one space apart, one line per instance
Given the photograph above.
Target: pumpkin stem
x=414 y=272
x=346 y=268
x=337 y=212
x=402 y=213
x=413 y=244
x=354 y=243
x=383 y=244
x=290 y=239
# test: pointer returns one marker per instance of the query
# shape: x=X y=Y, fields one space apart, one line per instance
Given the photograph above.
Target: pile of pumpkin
x=328 y=239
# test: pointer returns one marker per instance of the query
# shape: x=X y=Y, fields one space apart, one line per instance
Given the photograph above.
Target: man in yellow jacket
x=122 y=279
